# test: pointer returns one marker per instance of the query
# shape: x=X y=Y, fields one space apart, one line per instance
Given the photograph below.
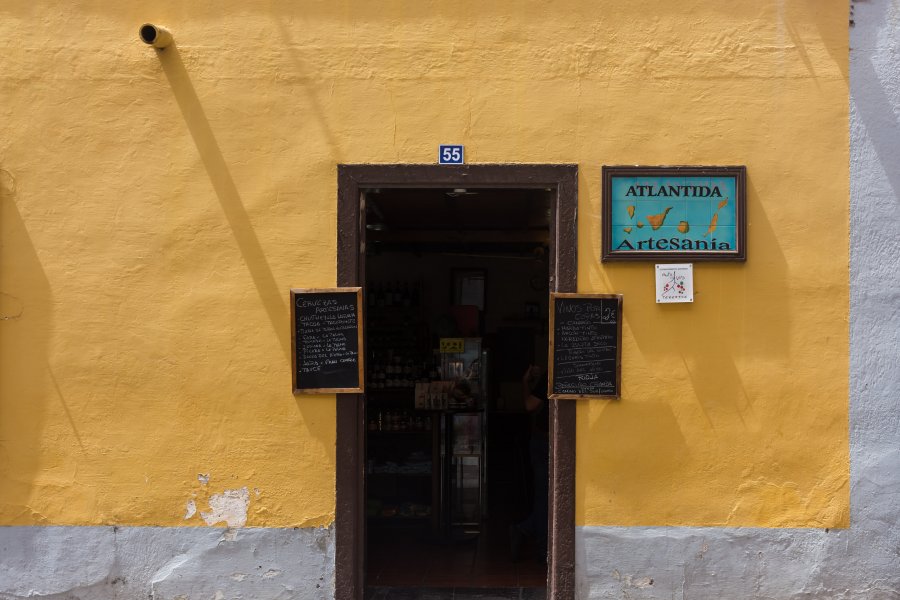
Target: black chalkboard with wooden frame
x=585 y=346
x=327 y=341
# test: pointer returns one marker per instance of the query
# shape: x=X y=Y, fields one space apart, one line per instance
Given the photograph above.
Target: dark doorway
x=456 y=303
x=426 y=235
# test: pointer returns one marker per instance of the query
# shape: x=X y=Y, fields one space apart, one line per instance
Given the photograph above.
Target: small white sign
x=675 y=283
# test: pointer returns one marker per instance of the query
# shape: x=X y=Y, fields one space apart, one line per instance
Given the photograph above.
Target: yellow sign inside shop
x=451 y=345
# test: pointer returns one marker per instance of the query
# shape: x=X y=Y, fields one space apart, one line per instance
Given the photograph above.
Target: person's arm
x=529 y=381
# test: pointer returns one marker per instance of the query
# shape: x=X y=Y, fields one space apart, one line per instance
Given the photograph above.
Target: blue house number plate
x=451 y=155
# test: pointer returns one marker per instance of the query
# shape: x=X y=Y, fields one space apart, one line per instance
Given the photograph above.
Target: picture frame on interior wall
x=469 y=287
x=674 y=213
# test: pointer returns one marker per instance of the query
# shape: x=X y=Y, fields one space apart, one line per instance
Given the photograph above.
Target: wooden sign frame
x=295 y=292
x=661 y=249
x=551 y=357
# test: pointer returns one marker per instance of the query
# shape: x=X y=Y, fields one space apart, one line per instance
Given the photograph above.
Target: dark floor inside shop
x=462 y=593
x=409 y=564
x=403 y=560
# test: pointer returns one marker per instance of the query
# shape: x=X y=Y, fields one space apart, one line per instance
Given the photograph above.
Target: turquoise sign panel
x=660 y=213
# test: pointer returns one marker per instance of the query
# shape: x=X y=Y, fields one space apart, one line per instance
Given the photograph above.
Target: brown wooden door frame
x=349 y=525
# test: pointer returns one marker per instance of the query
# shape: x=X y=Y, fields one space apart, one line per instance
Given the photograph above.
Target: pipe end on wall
x=154 y=35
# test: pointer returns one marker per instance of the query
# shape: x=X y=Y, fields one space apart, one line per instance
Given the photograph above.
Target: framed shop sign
x=326 y=340
x=585 y=346
x=674 y=214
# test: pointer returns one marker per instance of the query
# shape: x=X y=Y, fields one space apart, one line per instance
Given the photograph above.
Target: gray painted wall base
x=680 y=563
x=165 y=563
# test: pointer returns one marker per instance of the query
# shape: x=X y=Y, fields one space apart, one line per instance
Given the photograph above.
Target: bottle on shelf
x=416 y=294
x=390 y=297
x=405 y=298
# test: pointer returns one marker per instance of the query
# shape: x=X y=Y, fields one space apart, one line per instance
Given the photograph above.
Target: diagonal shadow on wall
x=26 y=323
x=227 y=193
x=870 y=98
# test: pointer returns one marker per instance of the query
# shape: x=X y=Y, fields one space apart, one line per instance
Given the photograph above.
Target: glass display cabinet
x=463 y=427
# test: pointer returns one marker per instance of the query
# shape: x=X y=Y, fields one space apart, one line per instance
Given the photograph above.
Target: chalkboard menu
x=326 y=338
x=585 y=346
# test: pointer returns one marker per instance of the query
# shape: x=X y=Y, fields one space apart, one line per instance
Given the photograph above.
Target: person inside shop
x=534 y=526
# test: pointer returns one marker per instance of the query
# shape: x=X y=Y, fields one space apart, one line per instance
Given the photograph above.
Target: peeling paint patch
x=203 y=478
x=238 y=576
x=230 y=506
x=230 y=535
x=8 y=182
x=703 y=550
x=190 y=510
x=170 y=567
x=271 y=573
x=11 y=308
x=632 y=581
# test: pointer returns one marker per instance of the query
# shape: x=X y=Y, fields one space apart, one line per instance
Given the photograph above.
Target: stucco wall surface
x=734 y=408
x=165 y=563
x=158 y=206
x=862 y=562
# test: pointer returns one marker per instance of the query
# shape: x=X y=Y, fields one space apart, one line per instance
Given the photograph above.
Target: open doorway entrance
x=437 y=247
x=456 y=475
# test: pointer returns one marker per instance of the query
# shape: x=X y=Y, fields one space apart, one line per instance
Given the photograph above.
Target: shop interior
x=456 y=293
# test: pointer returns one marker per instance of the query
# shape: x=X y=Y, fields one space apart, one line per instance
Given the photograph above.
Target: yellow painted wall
x=156 y=208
